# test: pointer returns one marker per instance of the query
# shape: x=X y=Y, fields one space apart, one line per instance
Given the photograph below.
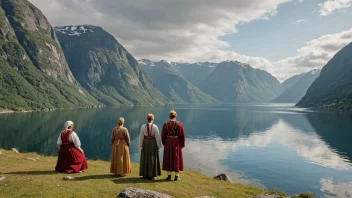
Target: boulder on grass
x=141 y=193
x=223 y=177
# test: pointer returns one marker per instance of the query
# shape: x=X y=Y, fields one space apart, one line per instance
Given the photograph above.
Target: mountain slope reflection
x=266 y=156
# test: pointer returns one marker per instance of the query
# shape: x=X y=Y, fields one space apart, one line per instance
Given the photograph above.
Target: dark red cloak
x=173 y=138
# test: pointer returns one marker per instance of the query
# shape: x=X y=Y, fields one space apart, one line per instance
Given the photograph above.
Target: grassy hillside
x=27 y=178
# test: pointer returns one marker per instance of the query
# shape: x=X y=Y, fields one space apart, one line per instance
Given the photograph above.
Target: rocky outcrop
x=141 y=193
x=223 y=177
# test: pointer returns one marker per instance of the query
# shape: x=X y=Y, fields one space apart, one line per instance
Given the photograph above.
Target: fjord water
x=276 y=146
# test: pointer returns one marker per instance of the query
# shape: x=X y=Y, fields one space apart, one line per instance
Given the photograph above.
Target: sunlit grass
x=27 y=178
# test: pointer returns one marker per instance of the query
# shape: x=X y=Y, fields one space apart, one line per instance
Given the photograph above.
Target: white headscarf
x=67 y=124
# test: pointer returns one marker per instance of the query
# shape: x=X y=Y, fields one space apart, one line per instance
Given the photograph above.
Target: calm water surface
x=276 y=146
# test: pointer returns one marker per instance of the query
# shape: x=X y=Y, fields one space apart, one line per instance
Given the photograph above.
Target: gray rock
x=268 y=196
x=2 y=178
x=223 y=177
x=31 y=159
x=14 y=150
x=141 y=193
x=68 y=178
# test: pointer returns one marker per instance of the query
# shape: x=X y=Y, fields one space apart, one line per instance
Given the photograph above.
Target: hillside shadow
x=118 y=180
x=88 y=177
x=129 y=180
x=46 y=172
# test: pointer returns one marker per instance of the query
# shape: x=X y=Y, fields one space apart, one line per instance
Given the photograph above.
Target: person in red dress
x=173 y=138
x=71 y=158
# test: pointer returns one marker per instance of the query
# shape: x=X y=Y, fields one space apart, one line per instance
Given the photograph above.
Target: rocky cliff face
x=34 y=73
x=105 y=68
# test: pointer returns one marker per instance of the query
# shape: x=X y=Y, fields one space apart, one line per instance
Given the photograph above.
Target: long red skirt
x=70 y=160
x=173 y=159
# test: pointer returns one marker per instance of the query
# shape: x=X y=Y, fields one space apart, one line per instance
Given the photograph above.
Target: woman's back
x=120 y=161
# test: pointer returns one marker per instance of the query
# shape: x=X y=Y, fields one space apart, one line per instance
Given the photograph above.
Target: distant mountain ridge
x=296 y=92
x=105 y=68
x=333 y=88
x=233 y=81
x=196 y=73
x=291 y=81
x=173 y=85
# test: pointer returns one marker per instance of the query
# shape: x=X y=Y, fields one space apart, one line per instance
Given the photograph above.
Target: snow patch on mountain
x=315 y=71
x=75 y=30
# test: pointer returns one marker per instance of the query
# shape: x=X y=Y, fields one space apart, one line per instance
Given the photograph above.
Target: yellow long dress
x=120 y=160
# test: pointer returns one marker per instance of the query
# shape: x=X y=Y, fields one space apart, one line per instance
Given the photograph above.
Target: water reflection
x=287 y=148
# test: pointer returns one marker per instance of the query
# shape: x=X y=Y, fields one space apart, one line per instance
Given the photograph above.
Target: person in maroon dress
x=71 y=158
x=173 y=138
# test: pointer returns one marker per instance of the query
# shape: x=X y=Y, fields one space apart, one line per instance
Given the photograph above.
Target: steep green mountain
x=170 y=82
x=33 y=71
x=333 y=88
x=233 y=81
x=296 y=92
x=195 y=73
x=291 y=81
x=105 y=68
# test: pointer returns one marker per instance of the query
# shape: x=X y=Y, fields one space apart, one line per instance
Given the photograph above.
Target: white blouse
x=73 y=138
x=154 y=132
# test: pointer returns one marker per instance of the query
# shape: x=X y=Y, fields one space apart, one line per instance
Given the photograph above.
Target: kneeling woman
x=71 y=158
x=150 y=142
x=120 y=161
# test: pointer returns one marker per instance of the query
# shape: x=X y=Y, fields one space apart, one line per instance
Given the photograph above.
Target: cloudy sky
x=284 y=37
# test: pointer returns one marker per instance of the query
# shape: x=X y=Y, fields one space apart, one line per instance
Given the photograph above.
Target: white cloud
x=329 y=6
x=336 y=189
x=300 y=21
x=188 y=31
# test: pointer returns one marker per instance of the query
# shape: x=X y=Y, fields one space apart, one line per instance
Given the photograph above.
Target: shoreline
x=37 y=178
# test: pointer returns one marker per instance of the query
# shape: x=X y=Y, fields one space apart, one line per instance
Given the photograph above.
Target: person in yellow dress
x=120 y=139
